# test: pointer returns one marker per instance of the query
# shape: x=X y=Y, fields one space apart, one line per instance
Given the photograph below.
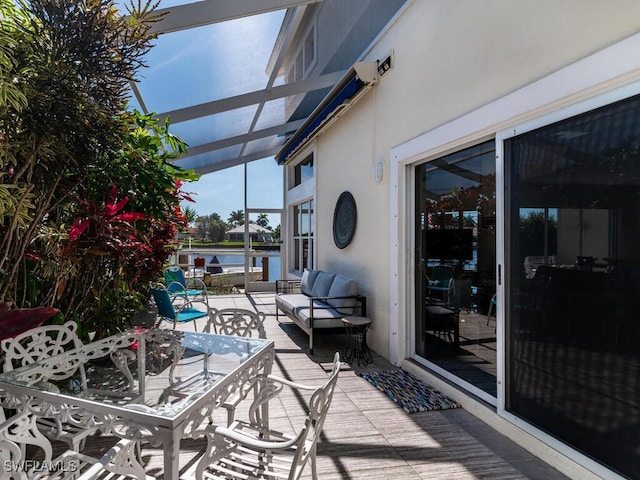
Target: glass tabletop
x=151 y=371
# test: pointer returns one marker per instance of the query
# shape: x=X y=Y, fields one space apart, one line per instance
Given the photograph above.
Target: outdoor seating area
x=207 y=206
x=319 y=301
x=364 y=434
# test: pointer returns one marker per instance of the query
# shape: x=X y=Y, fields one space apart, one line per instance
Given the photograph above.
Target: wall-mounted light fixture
x=384 y=66
x=366 y=71
x=378 y=171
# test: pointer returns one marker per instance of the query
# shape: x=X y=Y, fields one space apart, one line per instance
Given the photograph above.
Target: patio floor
x=366 y=436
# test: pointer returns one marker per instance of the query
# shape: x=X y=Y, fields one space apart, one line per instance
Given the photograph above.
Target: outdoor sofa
x=319 y=300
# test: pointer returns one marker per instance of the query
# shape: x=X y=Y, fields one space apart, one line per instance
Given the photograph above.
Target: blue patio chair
x=185 y=312
x=441 y=282
x=178 y=285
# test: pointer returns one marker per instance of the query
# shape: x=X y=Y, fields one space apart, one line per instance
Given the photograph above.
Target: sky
x=222 y=192
x=203 y=65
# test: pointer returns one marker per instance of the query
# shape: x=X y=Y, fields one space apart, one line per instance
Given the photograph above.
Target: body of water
x=230 y=261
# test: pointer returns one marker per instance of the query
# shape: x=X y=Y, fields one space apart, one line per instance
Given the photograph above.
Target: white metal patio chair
x=250 y=450
x=237 y=321
x=21 y=431
x=39 y=343
x=241 y=323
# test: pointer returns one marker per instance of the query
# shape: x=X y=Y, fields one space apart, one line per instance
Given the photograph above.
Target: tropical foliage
x=236 y=218
x=211 y=228
x=89 y=198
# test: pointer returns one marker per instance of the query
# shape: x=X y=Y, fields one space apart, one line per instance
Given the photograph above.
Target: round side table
x=357 y=349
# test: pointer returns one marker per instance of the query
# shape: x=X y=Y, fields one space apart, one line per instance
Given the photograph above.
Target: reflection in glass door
x=455 y=324
x=573 y=280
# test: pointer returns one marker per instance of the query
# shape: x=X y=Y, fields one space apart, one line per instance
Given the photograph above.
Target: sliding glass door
x=455 y=324
x=573 y=279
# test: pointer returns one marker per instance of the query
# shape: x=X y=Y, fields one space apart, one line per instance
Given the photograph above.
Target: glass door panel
x=573 y=276
x=455 y=326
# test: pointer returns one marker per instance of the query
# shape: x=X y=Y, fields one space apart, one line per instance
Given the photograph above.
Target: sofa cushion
x=289 y=302
x=297 y=306
x=343 y=287
x=322 y=284
x=308 y=279
x=323 y=317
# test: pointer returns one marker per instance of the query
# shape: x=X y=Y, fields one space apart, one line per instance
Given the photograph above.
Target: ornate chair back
x=310 y=433
x=16 y=434
x=254 y=450
x=40 y=343
x=22 y=431
x=238 y=322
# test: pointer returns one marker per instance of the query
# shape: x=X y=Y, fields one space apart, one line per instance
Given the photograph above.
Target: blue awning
x=339 y=96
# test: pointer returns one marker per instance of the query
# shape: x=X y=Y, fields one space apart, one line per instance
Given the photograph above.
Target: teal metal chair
x=493 y=305
x=441 y=282
x=178 y=285
x=170 y=312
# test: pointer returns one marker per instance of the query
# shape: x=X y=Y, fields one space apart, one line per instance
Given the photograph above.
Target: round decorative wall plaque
x=344 y=220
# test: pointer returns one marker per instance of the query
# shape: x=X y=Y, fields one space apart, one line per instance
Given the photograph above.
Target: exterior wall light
x=379 y=171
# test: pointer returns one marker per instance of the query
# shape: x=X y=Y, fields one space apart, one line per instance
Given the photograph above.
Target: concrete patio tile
x=367 y=436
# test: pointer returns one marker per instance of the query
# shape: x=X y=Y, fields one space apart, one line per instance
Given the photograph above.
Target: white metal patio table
x=152 y=385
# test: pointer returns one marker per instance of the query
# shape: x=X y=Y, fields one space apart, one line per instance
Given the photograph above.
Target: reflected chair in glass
x=179 y=286
x=441 y=282
x=532 y=262
x=21 y=431
x=237 y=321
x=40 y=343
x=492 y=311
x=443 y=322
x=184 y=312
x=249 y=449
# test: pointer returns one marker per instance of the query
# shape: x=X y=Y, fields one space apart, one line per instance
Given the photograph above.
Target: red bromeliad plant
x=83 y=247
x=14 y=321
x=126 y=249
x=162 y=241
x=108 y=229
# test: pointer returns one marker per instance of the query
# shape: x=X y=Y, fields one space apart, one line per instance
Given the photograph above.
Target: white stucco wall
x=352 y=169
x=453 y=56
x=450 y=58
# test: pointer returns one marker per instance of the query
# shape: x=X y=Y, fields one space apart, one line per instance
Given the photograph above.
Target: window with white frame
x=300 y=202
x=303 y=171
x=303 y=235
x=309 y=49
x=573 y=271
x=304 y=58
